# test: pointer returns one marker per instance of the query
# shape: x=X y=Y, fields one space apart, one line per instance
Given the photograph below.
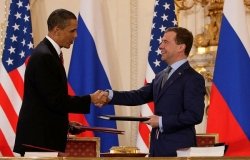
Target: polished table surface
x=125 y=158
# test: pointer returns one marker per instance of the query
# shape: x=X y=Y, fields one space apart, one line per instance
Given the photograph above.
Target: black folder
x=124 y=118
x=77 y=128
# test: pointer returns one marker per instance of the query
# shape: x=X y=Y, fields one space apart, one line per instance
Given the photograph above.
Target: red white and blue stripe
x=18 y=45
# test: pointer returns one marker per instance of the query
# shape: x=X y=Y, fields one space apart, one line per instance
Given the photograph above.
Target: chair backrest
x=206 y=140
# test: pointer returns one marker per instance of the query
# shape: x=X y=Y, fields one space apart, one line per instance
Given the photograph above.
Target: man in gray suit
x=177 y=92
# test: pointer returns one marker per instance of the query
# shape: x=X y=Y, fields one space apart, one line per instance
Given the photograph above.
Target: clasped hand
x=100 y=98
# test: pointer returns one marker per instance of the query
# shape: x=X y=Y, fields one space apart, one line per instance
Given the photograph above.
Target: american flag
x=163 y=17
x=18 y=45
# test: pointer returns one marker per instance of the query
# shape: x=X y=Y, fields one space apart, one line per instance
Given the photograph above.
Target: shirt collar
x=55 y=45
x=176 y=65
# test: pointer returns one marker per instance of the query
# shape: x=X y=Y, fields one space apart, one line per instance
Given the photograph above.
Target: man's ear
x=182 y=47
x=56 y=30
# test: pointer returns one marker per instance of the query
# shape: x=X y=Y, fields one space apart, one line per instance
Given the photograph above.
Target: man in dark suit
x=179 y=102
x=43 y=118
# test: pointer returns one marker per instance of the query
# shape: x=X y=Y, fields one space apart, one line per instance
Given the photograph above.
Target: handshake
x=100 y=98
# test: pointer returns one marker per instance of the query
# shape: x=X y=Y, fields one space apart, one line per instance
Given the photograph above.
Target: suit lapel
x=55 y=54
x=172 y=79
x=51 y=48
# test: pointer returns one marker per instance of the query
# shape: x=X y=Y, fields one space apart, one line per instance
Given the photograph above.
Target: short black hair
x=183 y=36
x=59 y=18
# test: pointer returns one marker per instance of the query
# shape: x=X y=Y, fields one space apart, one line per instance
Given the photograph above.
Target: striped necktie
x=61 y=58
x=165 y=76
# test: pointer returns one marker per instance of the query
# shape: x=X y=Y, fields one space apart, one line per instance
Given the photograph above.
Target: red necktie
x=61 y=58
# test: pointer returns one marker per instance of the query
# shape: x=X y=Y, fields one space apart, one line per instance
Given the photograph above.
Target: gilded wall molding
x=133 y=63
x=133 y=43
x=3 y=26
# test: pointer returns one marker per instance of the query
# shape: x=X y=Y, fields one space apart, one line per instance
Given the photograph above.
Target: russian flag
x=229 y=110
x=89 y=66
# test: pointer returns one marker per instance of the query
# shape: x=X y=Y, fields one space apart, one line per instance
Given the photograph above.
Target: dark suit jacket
x=180 y=103
x=43 y=118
